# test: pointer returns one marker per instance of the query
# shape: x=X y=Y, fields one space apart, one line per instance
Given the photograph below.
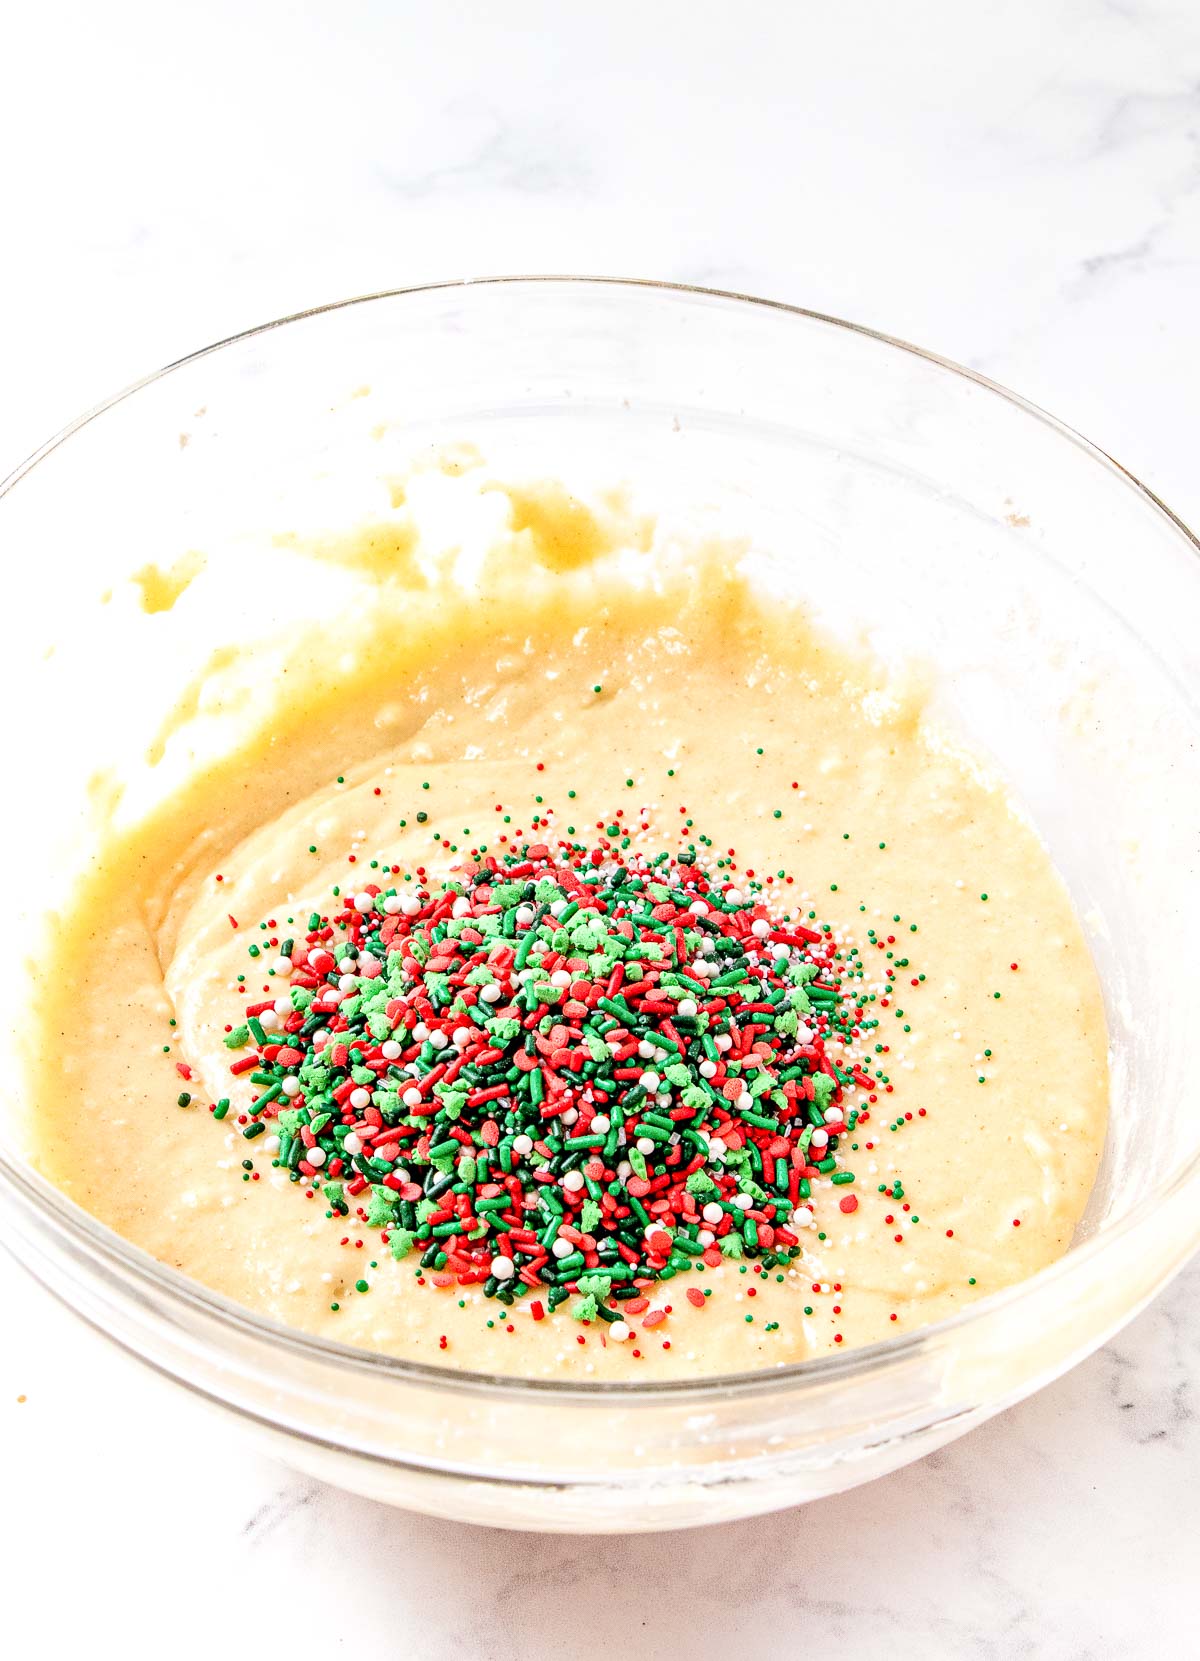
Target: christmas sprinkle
x=568 y=1073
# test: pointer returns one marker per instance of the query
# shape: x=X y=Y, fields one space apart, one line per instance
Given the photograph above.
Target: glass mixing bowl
x=905 y=499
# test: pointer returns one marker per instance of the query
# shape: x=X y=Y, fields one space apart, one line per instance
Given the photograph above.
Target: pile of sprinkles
x=568 y=1072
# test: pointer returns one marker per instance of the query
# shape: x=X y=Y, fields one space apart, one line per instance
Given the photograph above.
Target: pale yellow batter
x=713 y=708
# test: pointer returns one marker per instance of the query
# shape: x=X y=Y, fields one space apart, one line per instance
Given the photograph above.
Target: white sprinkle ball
x=390 y=1050
x=364 y=902
x=646 y=1144
x=352 y=1144
x=522 y=1144
x=503 y=1268
x=291 y=1086
x=712 y=1212
x=573 y=1181
x=491 y=994
x=315 y=1156
x=282 y=965
x=360 y=1098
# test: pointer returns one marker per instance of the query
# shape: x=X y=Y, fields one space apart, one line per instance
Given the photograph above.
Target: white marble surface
x=1015 y=185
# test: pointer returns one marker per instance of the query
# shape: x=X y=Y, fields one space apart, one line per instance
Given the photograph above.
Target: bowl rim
x=23 y=1187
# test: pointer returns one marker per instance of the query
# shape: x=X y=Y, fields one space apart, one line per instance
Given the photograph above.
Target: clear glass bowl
x=1056 y=598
